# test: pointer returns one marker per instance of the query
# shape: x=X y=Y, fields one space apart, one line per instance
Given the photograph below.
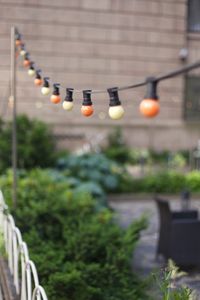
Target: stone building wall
x=99 y=44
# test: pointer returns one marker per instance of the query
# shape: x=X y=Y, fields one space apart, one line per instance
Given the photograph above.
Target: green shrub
x=162 y=182
x=80 y=253
x=193 y=181
x=35 y=144
x=95 y=168
x=116 y=148
x=165 y=182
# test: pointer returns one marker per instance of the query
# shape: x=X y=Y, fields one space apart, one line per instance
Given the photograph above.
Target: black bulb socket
x=38 y=76
x=22 y=47
x=151 y=89
x=87 y=98
x=69 y=95
x=31 y=66
x=18 y=36
x=56 y=89
x=26 y=56
x=114 y=97
x=46 y=82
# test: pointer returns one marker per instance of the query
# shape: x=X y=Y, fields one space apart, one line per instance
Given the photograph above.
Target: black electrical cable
x=168 y=75
x=178 y=71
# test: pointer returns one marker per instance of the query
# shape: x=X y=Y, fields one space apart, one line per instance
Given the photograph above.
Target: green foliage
x=159 y=156
x=166 y=182
x=162 y=182
x=167 y=284
x=80 y=252
x=193 y=181
x=36 y=145
x=96 y=168
x=117 y=149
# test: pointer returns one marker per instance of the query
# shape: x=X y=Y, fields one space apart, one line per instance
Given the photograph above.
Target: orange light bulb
x=149 y=107
x=55 y=99
x=18 y=42
x=38 y=81
x=87 y=110
x=26 y=63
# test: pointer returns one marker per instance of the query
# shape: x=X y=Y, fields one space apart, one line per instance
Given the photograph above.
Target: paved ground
x=145 y=261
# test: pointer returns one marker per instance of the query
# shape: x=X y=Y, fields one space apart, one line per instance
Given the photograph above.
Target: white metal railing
x=26 y=282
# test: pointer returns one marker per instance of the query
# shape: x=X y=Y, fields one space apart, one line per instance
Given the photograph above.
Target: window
x=192 y=98
x=194 y=15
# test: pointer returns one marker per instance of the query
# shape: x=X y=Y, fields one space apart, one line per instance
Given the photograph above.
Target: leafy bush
x=119 y=151
x=36 y=145
x=116 y=148
x=161 y=182
x=95 y=168
x=193 y=181
x=80 y=253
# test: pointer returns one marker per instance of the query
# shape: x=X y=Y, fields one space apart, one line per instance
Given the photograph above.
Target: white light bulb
x=116 y=112
x=23 y=52
x=45 y=90
x=31 y=72
x=67 y=105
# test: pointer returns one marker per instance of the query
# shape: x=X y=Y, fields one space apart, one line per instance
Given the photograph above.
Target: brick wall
x=98 y=44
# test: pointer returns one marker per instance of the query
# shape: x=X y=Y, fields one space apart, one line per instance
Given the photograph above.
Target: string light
x=149 y=107
x=23 y=50
x=18 y=40
x=26 y=62
x=115 y=111
x=55 y=97
x=87 y=108
x=45 y=90
x=68 y=102
x=31 y=70
x=38 y=79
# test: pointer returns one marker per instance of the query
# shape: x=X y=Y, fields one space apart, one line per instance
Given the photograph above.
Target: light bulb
x=149 y=107
x=22 y=52
x=31 y=72
x=67 y=105
x=18 y=42
x=45 y=90
x=18 y=39
x=68 y=102
x=26 y=63
x=87 y=108
x=116 y=112
x=55 y=97
x=38 y=79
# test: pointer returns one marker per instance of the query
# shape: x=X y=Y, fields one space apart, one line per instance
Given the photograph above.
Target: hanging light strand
x=159 y=78
x=149 y=106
